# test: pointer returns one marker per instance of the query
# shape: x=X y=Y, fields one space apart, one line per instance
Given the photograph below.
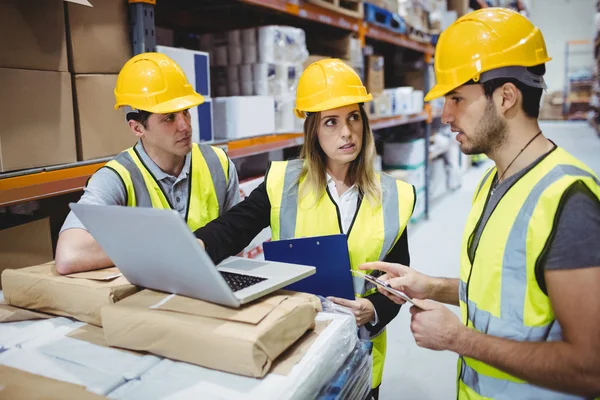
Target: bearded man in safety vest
x=163 y=170
x=530 y=260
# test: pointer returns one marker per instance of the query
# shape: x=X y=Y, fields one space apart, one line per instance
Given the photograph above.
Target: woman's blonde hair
x=361 y=171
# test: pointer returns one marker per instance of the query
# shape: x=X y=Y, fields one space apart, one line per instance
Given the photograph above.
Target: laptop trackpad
x=243 y=265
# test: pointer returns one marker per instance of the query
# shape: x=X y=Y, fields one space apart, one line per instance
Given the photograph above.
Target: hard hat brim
x=333 y=104
x=438 y=90
x=175 y=105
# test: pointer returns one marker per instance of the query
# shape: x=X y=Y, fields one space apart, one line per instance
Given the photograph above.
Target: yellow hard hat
x=485 y=40
x=155 y=83
x=328 y=84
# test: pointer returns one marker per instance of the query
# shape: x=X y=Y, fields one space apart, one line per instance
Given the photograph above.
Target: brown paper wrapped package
x=80 y=296
x=243 y=341
x=17 y=384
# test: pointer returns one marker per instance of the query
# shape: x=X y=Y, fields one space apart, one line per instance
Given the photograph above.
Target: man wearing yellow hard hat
x=163 y=170
x=331 y=189
x=530 y=259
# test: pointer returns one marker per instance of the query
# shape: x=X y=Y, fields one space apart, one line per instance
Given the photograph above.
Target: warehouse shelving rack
x=39 y=183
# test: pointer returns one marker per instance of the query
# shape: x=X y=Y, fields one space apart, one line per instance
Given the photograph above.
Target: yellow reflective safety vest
x=372 y=236
x=498 y=291
x=207 y=187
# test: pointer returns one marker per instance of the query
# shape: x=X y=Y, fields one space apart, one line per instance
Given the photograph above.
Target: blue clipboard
x=328 y=254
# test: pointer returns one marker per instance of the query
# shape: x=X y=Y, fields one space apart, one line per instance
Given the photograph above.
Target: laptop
x=155 y=249
x=329 y=254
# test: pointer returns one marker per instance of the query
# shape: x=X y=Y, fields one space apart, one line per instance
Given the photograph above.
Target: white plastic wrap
x=175 y=380
x=278 y=44
x=353 y=380
x=249 y=53
x=272 y=79
x=220 y=56
x=234 y=55
x=55 y=368
x=284 y=113
x=15 y=334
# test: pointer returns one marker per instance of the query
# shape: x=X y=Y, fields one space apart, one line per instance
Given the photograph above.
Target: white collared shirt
x=346 y=203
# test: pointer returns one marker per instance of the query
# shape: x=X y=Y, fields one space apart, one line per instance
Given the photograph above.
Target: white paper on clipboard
x=385 y=286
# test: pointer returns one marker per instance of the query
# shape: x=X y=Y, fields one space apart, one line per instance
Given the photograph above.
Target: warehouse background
x=58 y=71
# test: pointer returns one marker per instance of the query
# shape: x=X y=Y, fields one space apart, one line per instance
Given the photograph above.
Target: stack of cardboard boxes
x=57 y=75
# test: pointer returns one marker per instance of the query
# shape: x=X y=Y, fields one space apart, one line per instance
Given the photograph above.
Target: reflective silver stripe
x=514 y=273
x=142 y=197
x=462 y=290
x=391 y=213
x=514 y=288
x=289 y=200
x=500 y=389
x=216 y=172
x=511 y=329
x=391 y=225
x=484 y=180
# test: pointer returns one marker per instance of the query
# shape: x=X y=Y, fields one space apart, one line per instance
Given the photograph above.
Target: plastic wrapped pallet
x=353 y=380
x=55 y=349
x=304 y=380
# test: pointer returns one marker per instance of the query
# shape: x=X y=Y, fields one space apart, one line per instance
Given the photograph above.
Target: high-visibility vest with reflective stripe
x=208 y=182
x=499 y=294
x=374 y=232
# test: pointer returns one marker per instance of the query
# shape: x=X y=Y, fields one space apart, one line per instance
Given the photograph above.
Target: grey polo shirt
x=106 y=188
x=575 y=241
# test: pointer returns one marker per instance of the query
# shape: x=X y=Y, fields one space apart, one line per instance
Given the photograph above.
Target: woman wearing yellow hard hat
x=530 y=266
x=332 y=189
x=165 y=169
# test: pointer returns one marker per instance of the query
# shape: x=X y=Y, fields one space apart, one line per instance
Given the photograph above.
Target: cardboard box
x=375 y=74
x=39 y=35
x=99 y=41
x=243 y=116
x=36 y=109
x=195 y=65
x=17 y=384
x=460 y=6
x=414 y=176
x=25 y=245
x=165 y=37
x=404 y=154
x=243 y=341
x=551 y=108
x=102 y=131
x=80 y=296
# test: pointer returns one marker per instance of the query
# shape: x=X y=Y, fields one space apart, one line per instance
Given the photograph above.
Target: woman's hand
x=362 y=309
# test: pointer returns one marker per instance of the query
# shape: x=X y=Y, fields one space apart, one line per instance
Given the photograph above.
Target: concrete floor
x=413 y=373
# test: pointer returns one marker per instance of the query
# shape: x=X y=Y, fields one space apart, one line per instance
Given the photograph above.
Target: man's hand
x=201 y=243
x=402 y=278
x=435 y=327
x=362 y=309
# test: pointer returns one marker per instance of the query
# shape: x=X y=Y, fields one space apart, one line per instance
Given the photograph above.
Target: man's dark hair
x=531 y=95
x=140 y=116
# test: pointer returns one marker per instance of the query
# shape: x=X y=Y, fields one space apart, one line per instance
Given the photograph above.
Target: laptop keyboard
x=239 y=281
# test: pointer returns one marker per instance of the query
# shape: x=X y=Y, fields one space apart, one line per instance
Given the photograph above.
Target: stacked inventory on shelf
x=247 y=74
x=578 y=84
x=56 y=84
